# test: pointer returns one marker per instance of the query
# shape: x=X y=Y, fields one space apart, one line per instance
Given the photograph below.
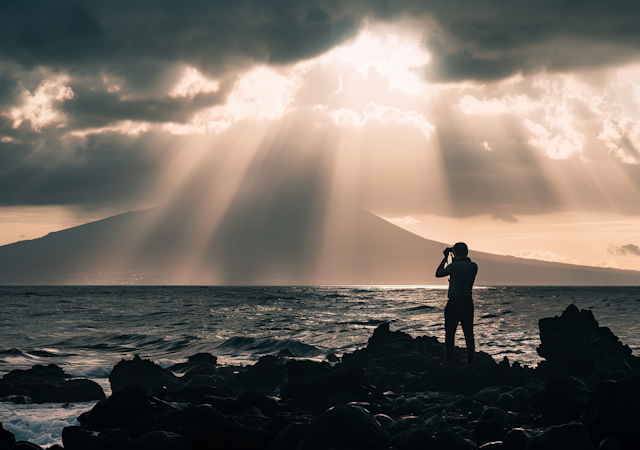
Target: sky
x=512 y=126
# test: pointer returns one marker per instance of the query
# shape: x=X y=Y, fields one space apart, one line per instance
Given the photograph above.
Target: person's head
x=460 y=250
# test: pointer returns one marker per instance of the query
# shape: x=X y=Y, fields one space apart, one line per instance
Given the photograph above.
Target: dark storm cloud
x=206 y=34
x=143 y=47
x=479 y=40
x=624 y=250
x=105 y=169
x=492 y=39
x=93 y=107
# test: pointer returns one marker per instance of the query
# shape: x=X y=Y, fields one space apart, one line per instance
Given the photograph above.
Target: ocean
x=87 y=330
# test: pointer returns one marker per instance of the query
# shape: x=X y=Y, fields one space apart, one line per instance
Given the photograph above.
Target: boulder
x=204 y=427
x=77 y=438
x=490 y=426
x=7 y=439
x=265 y=375
x=614 y=412
x=570 y=436
x=142 y=372
x=515 y=439
x=575 y=344
x=338 y=387
x=345 y=427
x=159 y=440
x=563 y=400
x=451 y=441
x=126 y=409
x=48 y=384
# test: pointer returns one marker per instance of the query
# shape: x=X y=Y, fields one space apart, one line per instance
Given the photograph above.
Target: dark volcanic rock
x=563 y=400
x=265 y=375
x=142 y=372
x=76 y=438
x=204 y=427
x=490 y=425
x=570 y=436
x=614 y=412
x=200 y=369
x=575 y=344
x=345 y=427
x=159 y=440
x=49 y=384
x=126 y=409
x=320 y=392
x=7 y=439
x=450 y=441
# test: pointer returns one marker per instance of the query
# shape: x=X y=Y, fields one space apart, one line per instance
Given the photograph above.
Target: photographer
x=462 y=273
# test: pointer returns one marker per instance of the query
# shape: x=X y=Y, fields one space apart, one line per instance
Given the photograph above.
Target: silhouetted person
x=462 y=273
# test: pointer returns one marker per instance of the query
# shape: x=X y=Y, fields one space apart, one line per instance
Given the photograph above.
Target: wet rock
x=490 y=425
x=245 y=401
x=203 y=426
x=345 y=427
x=48 y=384
x=198 y=395
x=570 y=436
x=614 y=412
x=142 y=372
x=507 y=402
x=451 y=441
x=24 y=445
x=609 y=444
x=575 y=344
x=7 y=439
x=338 y=387
x=200 y=369
x=407 y=406
x=159 y=440
x=563 y=400
x=382 y=343
x=265 y=375
x=468 y=405
x=490 y=394
x=515 y=439
x=289 y=437
x=383 y=419
x=76 y=438
x=299 y=369
x=414 y=439
x=126 y=409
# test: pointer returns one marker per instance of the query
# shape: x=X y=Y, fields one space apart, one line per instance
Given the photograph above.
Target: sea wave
x=238 y=345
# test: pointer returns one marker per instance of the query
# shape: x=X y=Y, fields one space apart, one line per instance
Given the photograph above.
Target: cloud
x=625 y=250
x=41 y=108
x=541 y=255
x=505 y=218
x=228 y=33
x=385 y=114
x=493 y=40
x=518 y=104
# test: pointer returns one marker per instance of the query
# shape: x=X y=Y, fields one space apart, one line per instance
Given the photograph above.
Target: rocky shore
x=391 y=394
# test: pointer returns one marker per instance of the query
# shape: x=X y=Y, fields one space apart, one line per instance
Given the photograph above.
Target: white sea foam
x=41 y=424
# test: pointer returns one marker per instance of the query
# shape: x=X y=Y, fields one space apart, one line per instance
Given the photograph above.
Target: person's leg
x=466 y=320
x=451 y=319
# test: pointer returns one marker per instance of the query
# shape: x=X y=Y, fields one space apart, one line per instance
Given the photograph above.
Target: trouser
x=458 y=310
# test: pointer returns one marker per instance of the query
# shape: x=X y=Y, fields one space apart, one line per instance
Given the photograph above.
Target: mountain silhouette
x=350 y=246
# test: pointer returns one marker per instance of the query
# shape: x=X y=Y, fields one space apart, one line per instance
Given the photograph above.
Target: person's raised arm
x=441 y=271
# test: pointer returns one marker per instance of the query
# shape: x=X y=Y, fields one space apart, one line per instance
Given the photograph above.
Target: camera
x=449 y=249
